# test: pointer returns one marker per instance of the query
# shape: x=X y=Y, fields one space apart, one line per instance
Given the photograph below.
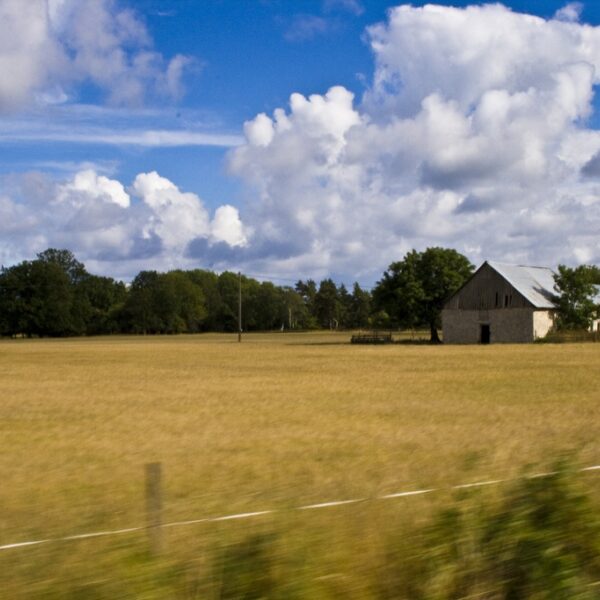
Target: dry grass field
x=279 y=421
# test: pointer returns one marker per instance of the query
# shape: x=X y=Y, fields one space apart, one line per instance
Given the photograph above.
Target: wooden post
x=154 y=507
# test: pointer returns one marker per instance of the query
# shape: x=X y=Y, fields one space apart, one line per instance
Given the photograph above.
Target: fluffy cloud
x=472 y=135
x=227 y=227
x=114 y=230
x=88 y=184
x=571 y=12
x=46 y=46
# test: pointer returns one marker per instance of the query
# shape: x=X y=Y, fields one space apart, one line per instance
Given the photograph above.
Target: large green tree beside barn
x=413 y=291
x=575 y=300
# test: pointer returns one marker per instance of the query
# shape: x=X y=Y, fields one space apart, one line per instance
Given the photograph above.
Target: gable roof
x=536 y=284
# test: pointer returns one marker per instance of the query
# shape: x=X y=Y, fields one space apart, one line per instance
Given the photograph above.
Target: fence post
x=154 y=507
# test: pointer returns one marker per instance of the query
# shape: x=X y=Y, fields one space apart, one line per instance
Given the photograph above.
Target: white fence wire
x=248 y=515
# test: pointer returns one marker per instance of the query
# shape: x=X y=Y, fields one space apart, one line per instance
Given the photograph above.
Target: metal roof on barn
x=534 y=283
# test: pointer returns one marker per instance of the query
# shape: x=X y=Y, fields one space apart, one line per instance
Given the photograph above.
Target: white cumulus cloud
x=569 y=12
x=472 y=135
x=114 y=229
x=88 y=183
x=48 y=46
x=227 y=226
x=176 y=217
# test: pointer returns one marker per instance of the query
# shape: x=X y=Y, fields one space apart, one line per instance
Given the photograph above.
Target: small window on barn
x=505 y=300
x=496 y=299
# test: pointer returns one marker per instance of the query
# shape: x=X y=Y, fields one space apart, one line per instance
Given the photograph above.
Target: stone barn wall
x=514 y=325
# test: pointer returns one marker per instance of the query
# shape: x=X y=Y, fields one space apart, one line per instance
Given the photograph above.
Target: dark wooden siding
x=487 y=290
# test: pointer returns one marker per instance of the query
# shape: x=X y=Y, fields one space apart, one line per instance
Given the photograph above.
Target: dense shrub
x=539 y=540
x=535 y=539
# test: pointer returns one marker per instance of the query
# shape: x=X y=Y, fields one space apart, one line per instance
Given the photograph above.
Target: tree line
x=55 y=296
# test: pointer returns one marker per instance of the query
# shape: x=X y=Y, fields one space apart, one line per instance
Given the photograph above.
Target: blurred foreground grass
x=278 y=421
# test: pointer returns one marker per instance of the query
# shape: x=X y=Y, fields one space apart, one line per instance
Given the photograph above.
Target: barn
x=500 y=303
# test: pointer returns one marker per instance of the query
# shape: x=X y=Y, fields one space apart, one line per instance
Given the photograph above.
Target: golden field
x=279 y=421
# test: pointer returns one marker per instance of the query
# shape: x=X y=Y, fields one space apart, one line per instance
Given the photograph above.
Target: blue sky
x=250 y=56
x=140 y=106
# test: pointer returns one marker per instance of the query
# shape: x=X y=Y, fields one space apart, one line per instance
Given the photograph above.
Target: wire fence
x=154 y=524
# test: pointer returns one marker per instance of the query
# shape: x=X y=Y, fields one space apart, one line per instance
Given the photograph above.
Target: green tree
x=229 y=292
x=81 y=308
x=139 y=313
x=399 y=293
x=66 y=260
x=252 y=314
x=164 y=303
x=188 y=300
x=52 y=298
x=413 y=291
x=344 y=306
x=360 y=307
x=327 y=304
x=294 y=312
x=209 y=284
x=11 y=301
x=14 y=300
x=308 y=292
x=36 y=299
x=575 y=300
x=269 y=307
x=105 y=299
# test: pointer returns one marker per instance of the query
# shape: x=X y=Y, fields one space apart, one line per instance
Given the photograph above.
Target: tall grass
x=275 y=422
x=538 y=539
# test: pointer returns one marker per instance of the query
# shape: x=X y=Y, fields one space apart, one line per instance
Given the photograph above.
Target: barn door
x=485 y=334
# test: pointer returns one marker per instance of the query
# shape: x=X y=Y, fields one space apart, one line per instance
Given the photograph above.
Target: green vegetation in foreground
x=540 y=538
x=284 y=420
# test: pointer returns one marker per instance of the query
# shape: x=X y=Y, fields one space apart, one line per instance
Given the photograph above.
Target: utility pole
x=240 y=307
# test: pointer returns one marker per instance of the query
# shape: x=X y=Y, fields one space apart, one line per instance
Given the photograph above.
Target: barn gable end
x=500 y=303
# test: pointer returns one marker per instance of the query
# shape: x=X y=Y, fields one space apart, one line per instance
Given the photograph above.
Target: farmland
x=279 y=421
